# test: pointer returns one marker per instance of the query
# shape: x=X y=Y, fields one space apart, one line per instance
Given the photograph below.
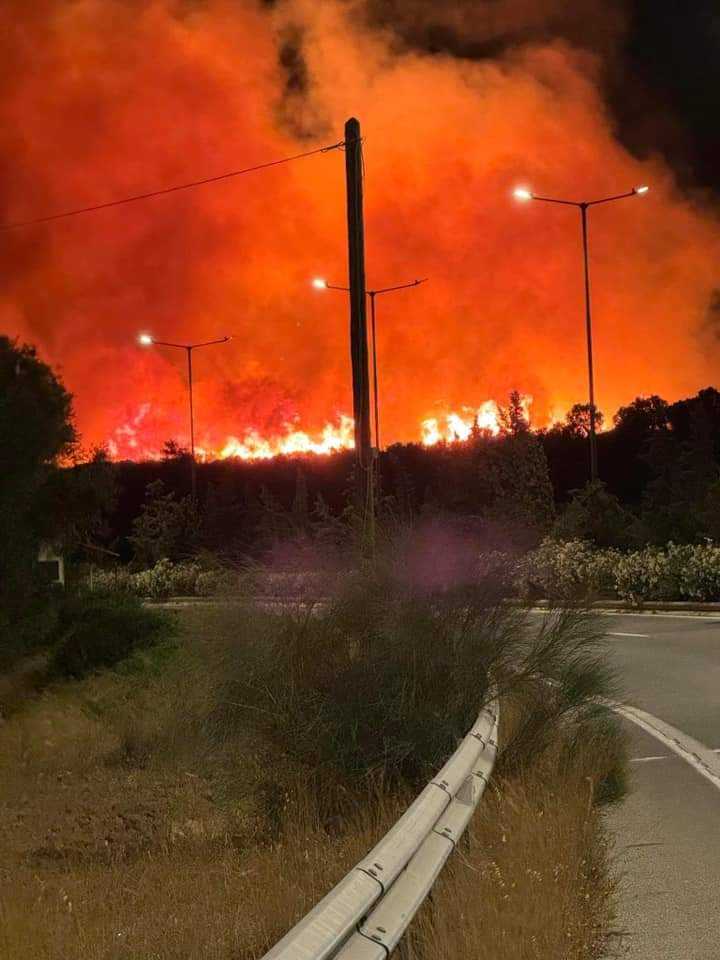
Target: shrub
x=596 y=515
x=679 y=572
x=566 y=570
x=166 y=579
x=573 y=570
x=99 y=630
x=113 y=580
x=556 y=687
x=700 y=573
x=161 y=581
x=645 y=575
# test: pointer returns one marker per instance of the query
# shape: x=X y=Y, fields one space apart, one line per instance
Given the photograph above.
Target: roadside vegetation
x=576 y=570
x=569 y=571
x=197 y=797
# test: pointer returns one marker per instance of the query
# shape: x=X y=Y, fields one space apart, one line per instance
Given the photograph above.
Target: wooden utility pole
x=358 y=328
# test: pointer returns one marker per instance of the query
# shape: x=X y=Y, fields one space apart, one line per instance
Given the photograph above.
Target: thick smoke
x=100 y=99
x=488 y=28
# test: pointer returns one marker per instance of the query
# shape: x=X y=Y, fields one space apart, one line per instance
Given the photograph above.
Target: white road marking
x=702 y=758
x=627 y=635
x=648 y=759
x=707 y=617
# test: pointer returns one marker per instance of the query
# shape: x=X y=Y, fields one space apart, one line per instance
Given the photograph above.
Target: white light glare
x=642 y=189
x=319 y=283
x=522 y=193
x=145 y=340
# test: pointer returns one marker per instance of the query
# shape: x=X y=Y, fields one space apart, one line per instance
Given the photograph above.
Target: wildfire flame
x=452 y=427
x=255 y=447
x=459 y=426
x=455 y=427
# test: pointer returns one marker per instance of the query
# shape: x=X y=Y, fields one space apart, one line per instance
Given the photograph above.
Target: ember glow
x=127 y=97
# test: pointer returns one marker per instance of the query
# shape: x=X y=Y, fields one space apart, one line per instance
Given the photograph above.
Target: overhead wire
x=16 y=225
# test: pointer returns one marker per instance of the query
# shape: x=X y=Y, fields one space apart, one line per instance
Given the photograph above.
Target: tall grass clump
x=374 y=684
x=378 y=684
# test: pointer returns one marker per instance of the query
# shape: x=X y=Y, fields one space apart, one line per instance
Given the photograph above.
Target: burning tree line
x=659 y=463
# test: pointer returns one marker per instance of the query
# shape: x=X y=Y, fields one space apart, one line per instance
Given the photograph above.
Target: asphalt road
x=668 y=830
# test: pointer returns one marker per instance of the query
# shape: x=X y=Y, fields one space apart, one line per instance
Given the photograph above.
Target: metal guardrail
x=364 y=916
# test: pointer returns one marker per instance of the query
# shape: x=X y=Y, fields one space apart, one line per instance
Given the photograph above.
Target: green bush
x=101 y=629
x=566 y=570
x=167 y=579
x=677 y=572
x=113 y=580
x=573 y=570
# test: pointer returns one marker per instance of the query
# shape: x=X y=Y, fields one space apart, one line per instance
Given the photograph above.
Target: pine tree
x=513 y=417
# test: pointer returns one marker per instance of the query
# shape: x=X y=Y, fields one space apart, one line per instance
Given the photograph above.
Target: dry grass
x=533 y=880
x=197 y=896
x=138 y=823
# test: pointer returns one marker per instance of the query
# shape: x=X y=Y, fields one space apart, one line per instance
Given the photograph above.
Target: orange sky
x=102 y=98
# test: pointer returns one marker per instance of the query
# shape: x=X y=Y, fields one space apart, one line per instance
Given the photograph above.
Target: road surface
x=668 y=830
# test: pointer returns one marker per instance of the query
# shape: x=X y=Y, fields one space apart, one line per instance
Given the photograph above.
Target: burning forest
x=104 y=99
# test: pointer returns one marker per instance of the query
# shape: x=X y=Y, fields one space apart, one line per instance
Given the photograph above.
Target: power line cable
x=175 y=189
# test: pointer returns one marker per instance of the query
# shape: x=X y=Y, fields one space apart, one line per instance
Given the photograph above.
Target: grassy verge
x=195 y=802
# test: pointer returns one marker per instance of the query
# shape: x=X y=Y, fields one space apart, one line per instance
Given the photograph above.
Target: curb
x=599 y=606
x=622 y=606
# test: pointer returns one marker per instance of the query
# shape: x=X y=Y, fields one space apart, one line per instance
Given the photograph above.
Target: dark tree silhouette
x=36 y=431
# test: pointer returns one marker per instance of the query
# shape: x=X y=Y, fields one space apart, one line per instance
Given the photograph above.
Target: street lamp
x=524 y=194
x=321 y=284
x=146 y=340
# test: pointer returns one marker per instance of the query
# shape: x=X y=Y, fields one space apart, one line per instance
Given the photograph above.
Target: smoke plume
x=104 y=98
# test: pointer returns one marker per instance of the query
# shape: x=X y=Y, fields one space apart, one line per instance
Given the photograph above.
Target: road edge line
x=696 y=754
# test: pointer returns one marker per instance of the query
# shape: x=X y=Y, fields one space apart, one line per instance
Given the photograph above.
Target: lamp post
x=522 y=193
x=320 y=284
x=146 y=340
